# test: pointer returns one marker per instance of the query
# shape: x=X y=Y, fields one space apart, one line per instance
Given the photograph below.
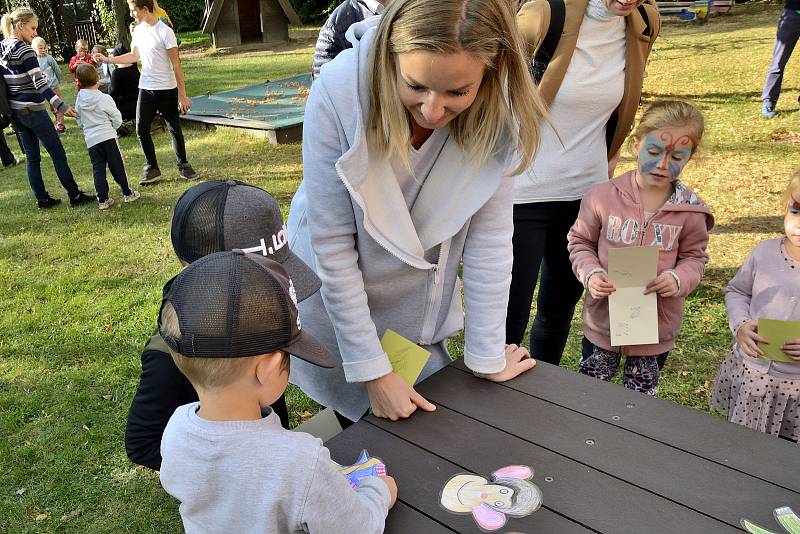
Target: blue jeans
x=35 y=126
x=786 y=39
x=107 y=154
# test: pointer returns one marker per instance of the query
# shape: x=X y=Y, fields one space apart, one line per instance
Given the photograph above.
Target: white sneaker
x=134 y=196
x=107 y=204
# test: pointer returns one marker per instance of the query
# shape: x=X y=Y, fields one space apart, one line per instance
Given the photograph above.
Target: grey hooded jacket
x=382 y=265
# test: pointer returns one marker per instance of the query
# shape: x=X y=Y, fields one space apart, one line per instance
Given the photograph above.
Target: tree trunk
x=122 y=18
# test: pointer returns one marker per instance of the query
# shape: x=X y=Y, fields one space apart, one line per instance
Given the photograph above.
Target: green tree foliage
x=185 y=15
x=314 y=11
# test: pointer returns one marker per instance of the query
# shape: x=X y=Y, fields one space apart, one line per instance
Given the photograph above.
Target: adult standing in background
x=28 y=93
x=409 y=144
x=785 y=41
x=331 y=38
x=161 y=87
x=592 y=84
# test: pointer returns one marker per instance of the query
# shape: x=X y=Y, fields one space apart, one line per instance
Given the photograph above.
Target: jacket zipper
x=434 y=303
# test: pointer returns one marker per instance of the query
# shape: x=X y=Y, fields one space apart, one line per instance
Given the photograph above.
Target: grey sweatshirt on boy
x=98 y=116
x=255 y=476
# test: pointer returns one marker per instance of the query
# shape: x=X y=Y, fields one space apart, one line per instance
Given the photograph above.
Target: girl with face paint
x=765 y=394
x=647 y=206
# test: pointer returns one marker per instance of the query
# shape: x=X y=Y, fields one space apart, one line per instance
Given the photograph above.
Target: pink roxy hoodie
x=612 y=215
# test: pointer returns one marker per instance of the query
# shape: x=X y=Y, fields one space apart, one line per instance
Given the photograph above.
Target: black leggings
x=166 y=103
x=540 y=244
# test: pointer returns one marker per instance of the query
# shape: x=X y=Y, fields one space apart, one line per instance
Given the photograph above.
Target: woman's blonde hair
x=669 y=114
x=791 y=190
x=507 y=109
x=21 y=15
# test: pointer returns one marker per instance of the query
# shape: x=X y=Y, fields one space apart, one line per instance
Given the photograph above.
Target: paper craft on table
x=785 y=517
x=633 y=316
x=365 y=466
x=509 y=494
x=407 y=358
x=777 y=333
x=324 y=425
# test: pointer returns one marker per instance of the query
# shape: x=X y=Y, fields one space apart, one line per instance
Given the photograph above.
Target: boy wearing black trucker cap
x=209 y=217
x=230 y=320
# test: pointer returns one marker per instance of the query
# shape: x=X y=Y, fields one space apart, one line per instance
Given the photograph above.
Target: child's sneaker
x=49 y=202
x=106 y=204
x=768 y=110
x=188 y=172
x=150 y=175
x=134 y=196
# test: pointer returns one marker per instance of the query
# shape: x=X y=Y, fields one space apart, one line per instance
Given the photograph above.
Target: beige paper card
x=324 y=425
x=633 y=315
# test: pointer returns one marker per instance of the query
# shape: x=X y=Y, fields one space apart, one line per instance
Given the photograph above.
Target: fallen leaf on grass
x=108 y=397
x=683 y=373
x=86 y=428
x=305 y=414
x=72 y=515
x=41 y=517
x=21 y=491
x=106 y=328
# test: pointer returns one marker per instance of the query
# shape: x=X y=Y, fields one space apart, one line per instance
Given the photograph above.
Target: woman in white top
x=593 y=85
x=409 y=144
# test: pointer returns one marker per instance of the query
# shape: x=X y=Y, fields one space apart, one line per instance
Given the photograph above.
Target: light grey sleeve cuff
x=676 y=277
x=589 y=275
x=366 y=370
x=484 y=365
x=379 y=486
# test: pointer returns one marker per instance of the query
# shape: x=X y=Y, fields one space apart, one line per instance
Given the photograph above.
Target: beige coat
x=533 y=21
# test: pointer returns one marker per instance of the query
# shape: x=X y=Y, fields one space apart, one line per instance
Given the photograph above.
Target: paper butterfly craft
x=365 y=466
x=784 y=515
x=510 y=493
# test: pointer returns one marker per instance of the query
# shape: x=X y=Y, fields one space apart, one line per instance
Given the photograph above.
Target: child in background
x=646 y=206
x=124 y=89
x=104 y=70
x=226 y=457
x=49 y=66
x=99 y=118
x=762 y=394
x=82 y=55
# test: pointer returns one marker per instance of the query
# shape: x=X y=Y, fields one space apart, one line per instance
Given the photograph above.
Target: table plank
x=577 y=491
x=713 y=489
x=403 y=518
x=735 y=446
x=420 y=478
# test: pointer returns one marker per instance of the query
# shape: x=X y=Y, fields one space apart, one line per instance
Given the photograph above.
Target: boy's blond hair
x=80 y=43
x=37 y=41
x=205 y=373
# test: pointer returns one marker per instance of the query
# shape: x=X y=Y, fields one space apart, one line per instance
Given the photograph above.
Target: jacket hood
x=89 y=100
x=682 y=199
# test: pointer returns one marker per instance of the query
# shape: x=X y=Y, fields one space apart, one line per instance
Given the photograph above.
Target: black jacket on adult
x=331 y=39
x=124 y=89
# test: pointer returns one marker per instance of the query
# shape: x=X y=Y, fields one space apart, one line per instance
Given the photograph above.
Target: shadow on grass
x=750 y=225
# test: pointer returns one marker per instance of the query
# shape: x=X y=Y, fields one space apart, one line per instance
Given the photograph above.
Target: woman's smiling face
x=435 y=88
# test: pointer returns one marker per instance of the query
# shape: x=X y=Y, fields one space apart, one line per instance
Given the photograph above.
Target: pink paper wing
x=514 y=471
x=488 y=518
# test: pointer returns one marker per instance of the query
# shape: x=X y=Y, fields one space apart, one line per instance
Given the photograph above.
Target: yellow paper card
x=777 y=333
x=407 y=358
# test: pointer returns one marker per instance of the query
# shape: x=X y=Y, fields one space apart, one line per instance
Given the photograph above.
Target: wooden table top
x=607 y=459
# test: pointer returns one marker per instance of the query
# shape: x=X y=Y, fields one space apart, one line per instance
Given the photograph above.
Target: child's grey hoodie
x=256 y=476
x=383 y=265
x=97 y=115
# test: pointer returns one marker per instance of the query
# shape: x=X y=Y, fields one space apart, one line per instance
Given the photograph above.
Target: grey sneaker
x=134 y=196
x=107 y=204
x=188 y=172
x=150 y=175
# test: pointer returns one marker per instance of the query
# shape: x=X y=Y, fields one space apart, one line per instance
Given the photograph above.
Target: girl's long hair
x=21 y=15
x=507 y=110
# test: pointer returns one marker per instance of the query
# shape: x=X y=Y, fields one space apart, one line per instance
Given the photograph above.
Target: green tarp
x=278 y=104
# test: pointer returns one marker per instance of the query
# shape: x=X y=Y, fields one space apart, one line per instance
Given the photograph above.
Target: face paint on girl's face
x=663 y=154
x=791 y=224
x=794 y=207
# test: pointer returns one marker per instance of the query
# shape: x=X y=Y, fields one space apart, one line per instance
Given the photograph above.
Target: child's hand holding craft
x=392 y=488
x=598 y=285
x=665 y=285
x=747 y=338
x=792 y=348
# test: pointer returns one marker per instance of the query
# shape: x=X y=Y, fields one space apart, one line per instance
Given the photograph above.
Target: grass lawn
x=80 y=288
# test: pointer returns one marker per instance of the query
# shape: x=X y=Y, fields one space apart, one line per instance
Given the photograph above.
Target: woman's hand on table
x=518 y=360
x=392 y=398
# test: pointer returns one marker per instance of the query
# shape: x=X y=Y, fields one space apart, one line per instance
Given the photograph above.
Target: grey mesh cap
x=218 y=215
x=234 y=304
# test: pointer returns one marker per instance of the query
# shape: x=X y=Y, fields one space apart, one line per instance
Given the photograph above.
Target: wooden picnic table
x=606 y=458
